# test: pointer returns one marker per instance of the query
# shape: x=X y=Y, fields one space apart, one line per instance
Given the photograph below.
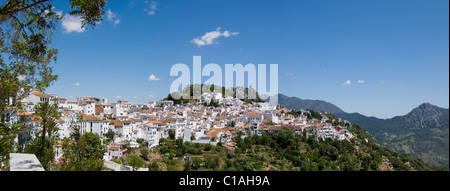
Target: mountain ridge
x=426 y=115
x=298 y=103
x=423 y=132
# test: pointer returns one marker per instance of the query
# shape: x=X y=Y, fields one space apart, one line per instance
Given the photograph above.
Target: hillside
x=286 y=152
x=316 y=105
x=197 y=89
x=423 y=132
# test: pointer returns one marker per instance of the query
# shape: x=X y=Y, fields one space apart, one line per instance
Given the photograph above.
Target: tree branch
x=9 y=10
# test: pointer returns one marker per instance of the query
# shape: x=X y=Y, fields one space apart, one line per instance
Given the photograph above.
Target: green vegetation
x=430 y=144
x=236 y=92
x=135 y=162
x=286 y=152
x=212 y=103
x=110 y=134
x=153 y=167
x=83 y=153
x=26 y=55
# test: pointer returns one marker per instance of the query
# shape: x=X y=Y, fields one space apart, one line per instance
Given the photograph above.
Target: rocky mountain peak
x=427 y=115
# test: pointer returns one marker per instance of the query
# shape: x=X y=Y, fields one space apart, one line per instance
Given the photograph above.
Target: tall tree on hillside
x=26 y=27
x=48 y=115
x=82 y=151
x=44 y=143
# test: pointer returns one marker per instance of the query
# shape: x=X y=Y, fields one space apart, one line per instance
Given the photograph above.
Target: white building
x=33 y=99
x=92 y=124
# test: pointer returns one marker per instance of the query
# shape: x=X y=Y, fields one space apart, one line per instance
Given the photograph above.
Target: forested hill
x=316 y=105
x=422 y=133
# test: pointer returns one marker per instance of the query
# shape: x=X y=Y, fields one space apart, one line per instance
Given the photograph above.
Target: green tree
x=7 y=135
x=26 y=27
x=144 y=154
x=212 y=162
x=43 y=144
x=207 y=147
x=171 y=135
x=82 y=152
x=110 y=134
x=48 y=114
x=196 y=162
x=187 y=165
x=153 y=166
x=135 y=162
x=179 y=143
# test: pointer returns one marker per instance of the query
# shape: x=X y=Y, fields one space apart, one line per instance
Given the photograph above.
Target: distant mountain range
x=422 y=133
x=316 y=105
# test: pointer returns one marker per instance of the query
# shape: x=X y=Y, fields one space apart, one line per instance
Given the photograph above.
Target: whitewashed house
x=33 y=99
x=92 y=124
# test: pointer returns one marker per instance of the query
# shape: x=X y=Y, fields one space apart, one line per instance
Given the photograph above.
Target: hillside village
x=195 y=123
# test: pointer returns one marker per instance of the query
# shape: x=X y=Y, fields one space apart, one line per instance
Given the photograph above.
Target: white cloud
x=151 y=96
x=112 y=17
x=135 y=97
x=116 y=22
x=153 y=78
x=361 y=81
x=72 y=24
x=290 y=74
x=227 y=33
x=346 y=83
x=75 y=84
x=152 y=9
x=117 y=96
x=210 y=37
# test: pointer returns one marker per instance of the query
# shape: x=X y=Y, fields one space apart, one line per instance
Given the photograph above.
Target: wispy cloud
x=112 y=17
x=75 y=84
x=361 y=81
x=210 y=37
x=290 y=74
x=153 y=78
x=117 y=96
x=72 y=24
x=346 y=83
x=152 y=8
x=151 y=96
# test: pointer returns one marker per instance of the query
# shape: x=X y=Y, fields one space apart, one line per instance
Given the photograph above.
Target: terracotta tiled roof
x=267 y=121
x=41 y=94
x=91 y=118
x=254 y=115
x=116 y=123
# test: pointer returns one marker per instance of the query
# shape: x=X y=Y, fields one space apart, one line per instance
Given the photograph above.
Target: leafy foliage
x=135 y=162
x=286 y=152
x=44 y=143
x=430 y=144
x=198 y=89
x=26 y=27
x=82 y=152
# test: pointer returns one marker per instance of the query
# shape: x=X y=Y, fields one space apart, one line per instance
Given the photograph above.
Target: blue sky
x=379 y=58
